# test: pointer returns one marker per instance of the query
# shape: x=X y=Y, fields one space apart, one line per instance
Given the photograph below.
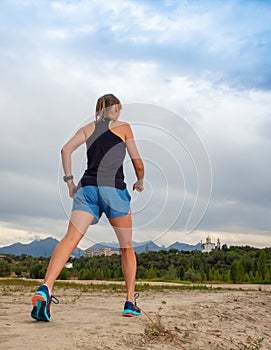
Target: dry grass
x=156 y=329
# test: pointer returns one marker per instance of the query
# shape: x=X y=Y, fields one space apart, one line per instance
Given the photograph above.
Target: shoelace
x=54 y=299
x=136 y=295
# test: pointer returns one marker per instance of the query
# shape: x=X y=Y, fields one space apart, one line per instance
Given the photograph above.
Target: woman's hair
x=105 y=102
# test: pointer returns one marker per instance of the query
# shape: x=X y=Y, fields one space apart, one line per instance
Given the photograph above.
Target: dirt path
x=190 y=319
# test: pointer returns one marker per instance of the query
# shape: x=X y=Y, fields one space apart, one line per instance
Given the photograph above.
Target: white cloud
x=57 y=34
x=192 y=59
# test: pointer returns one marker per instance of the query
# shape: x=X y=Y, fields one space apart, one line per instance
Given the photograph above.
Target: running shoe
x=131 y=309
x=41 y=302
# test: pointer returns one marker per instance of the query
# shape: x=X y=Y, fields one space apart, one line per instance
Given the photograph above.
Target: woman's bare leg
x=123 y=228
x=78 y=225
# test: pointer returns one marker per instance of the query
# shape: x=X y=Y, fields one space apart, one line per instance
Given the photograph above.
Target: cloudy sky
x=195 y=81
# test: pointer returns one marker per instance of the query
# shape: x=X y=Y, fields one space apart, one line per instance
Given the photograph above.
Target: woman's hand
x=72 y=188
x=138 y=186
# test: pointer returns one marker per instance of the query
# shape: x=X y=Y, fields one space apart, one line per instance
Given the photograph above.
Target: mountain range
x=45 y=247
x=37 y=248
x=148 y=246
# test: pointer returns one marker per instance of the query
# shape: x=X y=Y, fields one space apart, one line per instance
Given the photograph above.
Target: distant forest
x=232 y=265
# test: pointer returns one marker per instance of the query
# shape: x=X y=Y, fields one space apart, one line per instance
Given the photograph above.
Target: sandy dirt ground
x=189 y=319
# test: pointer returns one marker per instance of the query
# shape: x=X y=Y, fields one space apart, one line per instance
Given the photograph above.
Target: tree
x=217 y=275
x=5 y=268
x=192 y=276
x=140 y=273
x=37 y=271
x=18 y=271
x=150 y=274
x=225 y=248
x=237 y=271
x=171 y=273
x=180 y=272
x=262 y=265
x=65 y=274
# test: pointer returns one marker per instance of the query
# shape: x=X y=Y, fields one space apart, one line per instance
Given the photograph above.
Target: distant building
x=69 y=265
x=208 y=246
x=99 y=252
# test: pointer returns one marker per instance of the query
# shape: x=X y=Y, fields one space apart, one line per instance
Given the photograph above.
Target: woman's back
x=106 y=151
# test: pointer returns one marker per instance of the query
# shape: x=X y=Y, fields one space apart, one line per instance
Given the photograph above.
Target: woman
x=101 y=190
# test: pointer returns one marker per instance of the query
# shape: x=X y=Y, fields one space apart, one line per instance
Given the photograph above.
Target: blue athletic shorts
x=97 y=200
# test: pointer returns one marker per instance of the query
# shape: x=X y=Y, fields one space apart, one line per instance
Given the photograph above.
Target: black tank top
x=105 y=155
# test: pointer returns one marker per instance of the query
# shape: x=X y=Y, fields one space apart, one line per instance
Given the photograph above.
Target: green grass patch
x=111 y=286
x=18 y=282
x=163 y=280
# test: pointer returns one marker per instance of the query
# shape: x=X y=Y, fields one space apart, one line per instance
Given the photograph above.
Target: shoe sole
x=130 y=314
x=39 y=302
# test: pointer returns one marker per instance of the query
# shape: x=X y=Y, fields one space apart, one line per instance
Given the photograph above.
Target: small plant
x=156 y=328
x=254 y=344
x=76 y=297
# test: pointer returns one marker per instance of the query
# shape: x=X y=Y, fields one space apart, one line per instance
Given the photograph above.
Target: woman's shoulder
x=122 y=129
x=89 y=126
x=88 y=129
x=124 y=126
x=121 y=124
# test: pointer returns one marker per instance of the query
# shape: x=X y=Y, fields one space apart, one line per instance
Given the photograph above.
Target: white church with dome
x=208 y=246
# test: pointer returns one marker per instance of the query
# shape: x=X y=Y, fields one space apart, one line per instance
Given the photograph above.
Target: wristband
x=67 y=178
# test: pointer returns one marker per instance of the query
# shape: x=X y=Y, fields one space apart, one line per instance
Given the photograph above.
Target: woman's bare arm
x=66 y=151
x=136 y=159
